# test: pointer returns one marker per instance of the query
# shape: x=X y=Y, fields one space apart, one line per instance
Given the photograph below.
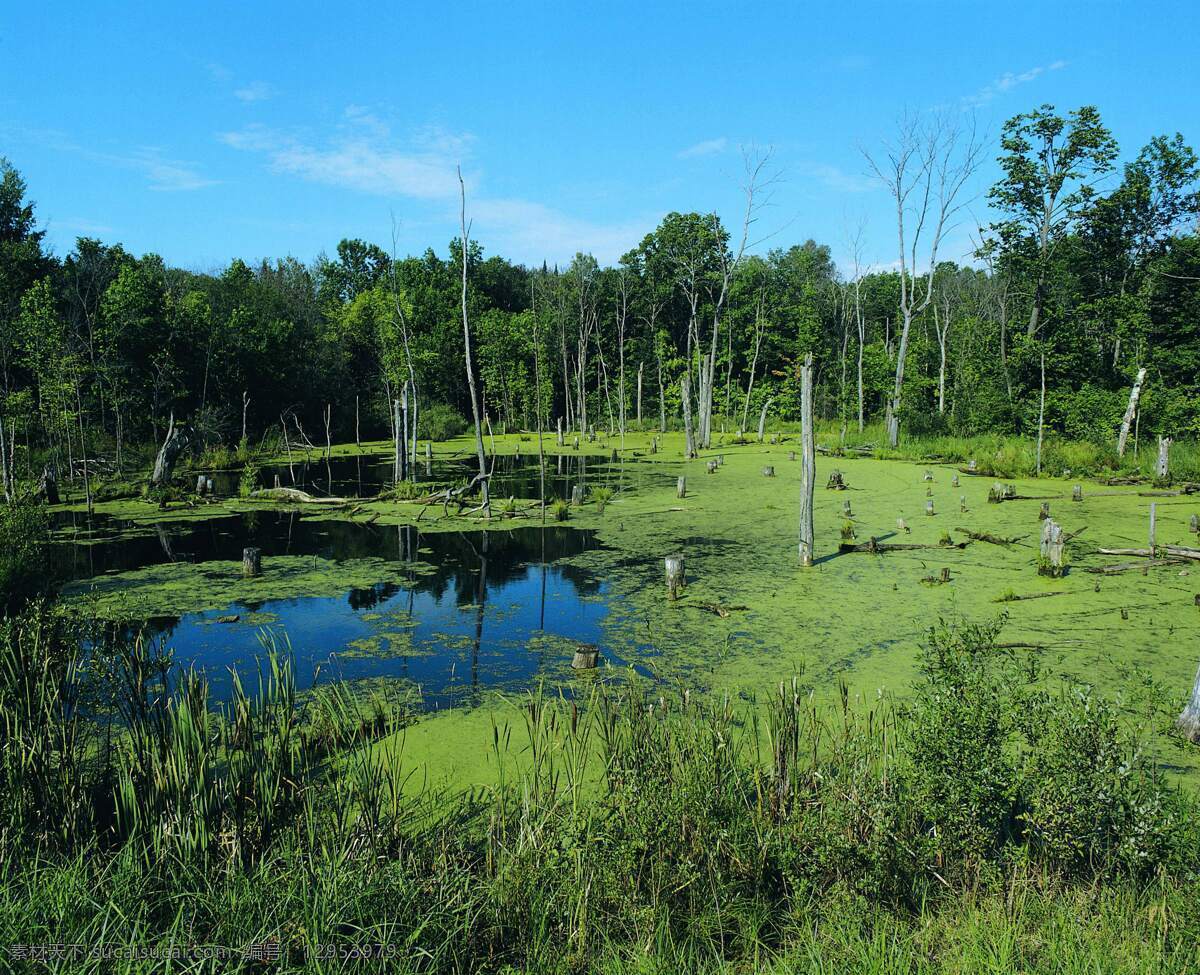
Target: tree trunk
x=641 y=366
x=1041 y=417
x=808 y=459
x=1130 y=410
x=688 y=434
x=762 y=419
x=178 y=440
x=482 y=476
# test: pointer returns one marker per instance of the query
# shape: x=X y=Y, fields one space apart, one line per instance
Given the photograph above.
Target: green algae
x=853 y=618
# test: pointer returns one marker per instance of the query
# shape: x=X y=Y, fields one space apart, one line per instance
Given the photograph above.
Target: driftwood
x=1014 y=598
x=1145 y=553
x=874 y=547
x=718 y=609
x=1181 y=551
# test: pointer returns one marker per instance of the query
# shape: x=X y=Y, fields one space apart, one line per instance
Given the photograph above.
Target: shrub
x=249 y=481
x=561 y=510
x=441 y=422
x=24 y=532
x=601 y=495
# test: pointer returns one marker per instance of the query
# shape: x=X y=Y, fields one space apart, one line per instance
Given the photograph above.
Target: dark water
x=361 y=477
x=479 y=609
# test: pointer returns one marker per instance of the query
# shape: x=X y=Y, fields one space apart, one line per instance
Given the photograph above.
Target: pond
x=513 y=475
x=468 y=611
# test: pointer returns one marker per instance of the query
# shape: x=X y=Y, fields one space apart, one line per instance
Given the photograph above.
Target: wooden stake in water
x=681 y=487
x=1153 y=521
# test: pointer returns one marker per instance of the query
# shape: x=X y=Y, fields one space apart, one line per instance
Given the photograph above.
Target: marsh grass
x=988 y=824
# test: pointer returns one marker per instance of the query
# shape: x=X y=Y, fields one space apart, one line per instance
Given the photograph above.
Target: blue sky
x=207 y=131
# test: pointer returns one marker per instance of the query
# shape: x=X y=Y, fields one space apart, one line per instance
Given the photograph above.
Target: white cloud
x=1010 y=80
x=361 y=157
x=165 y=175
x=838 y=179
x=533 y=232
x=709 y=147
x=255 y=91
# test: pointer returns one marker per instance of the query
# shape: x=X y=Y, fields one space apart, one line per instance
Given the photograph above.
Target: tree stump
x=675 y=578
x=846 y=510
x=615 y=456
x=1188 y=722
x=1077 y=492
x=1194 y=524
x=559 y=434
x=1001 y=492
x=577 y=494
x=962 y=503
x=929 y=491
x=720 y=460
x=954 y=481
x=429 y=449
x=1045 y=512
x=711 y=467
x=48 y=485
x=586 y=655
x=945 y=574
x=791 y=455
x=900 y=526
x=836 y=481
x=1153 y=527
x=575 y=442
x=278 y=482
x=654 y=445
x=928 y=476
x=768 y=471
x=972 y=467
x=201 y=483
x=251 y=562
x=681 y=487
x=1053 y=550
x=1162 y=469
x=929 y=508
x=179 y=439
x=208 y=487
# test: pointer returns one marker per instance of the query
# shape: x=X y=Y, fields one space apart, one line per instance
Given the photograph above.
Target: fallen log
x=990 y=538
x=874 y=547
x=1144 y=553
x=294 y=495
x=1182 y=552
x=1110 y=570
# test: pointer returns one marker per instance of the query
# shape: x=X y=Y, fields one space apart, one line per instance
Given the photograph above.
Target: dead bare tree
x=926 y=170
x=482 y=477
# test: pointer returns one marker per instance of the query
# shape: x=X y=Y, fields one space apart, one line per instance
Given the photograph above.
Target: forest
x=742 y=605
x=1090 y=265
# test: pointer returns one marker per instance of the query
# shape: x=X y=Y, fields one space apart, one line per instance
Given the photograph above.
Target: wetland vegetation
x=310 y=645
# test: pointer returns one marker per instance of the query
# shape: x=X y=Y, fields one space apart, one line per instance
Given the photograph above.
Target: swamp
x=483 y=491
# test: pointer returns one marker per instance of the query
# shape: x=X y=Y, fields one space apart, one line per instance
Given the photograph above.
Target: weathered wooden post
x=201 y=483
x=577 y=494
x=278 y=481
x=1153 y=521
x=675 y=578
x=762 y=420
x=768 y=471
x=1188 y=722
x=251 y=562
x=901 y=526
x=1077 y=492
x=616 y=458
x=954 y=481
x=791 y=455
x=945 y=573
x=208 y=487
x=559 y=435
x=1045 y=512
x=654 y=445
x=586 y=655
x=808 y=469
x=681 y=487
x=847 y=511
x=1194 y=524
x=962 y=504
x=929 y=508
x=575 y=442
x=1162 y=469
x=929 y=491
x=428 y=451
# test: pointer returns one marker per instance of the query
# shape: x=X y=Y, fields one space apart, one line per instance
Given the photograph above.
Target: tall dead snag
x=762 y=420
x=1053 y=561
x=1188 y=723
x=1162 y=470
x=925 y=170
x=808 y=455
x=1041 y=417
x=179 y=439
x=482 y=476
x=689 y=436
x=1130 y=411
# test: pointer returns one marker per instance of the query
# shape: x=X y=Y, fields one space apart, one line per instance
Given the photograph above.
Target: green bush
x=24 y=533
x=441 y=422
x=249 y=482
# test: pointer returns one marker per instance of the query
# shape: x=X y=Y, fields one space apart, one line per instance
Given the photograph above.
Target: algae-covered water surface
x=457 y=605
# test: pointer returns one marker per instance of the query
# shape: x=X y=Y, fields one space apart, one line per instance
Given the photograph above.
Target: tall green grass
x=990 y=824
